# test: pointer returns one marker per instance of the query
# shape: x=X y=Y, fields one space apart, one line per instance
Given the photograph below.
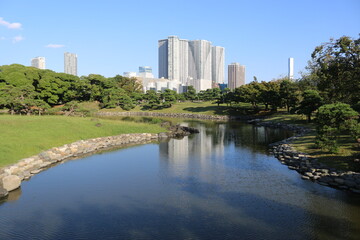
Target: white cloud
x=17 y=39
x=10 y=25
x=55 y=46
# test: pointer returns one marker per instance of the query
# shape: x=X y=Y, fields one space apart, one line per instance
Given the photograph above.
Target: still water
x=218 y=184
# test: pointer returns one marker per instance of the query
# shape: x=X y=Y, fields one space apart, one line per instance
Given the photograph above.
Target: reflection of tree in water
x=214 y=137
x=241 y=134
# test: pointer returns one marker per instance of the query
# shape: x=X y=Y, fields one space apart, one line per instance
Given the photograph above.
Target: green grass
x=348 y=148
x=207 y=108
x=24 y=136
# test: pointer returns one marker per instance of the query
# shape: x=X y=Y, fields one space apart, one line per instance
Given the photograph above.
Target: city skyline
x=263 y=37
x=191 y=62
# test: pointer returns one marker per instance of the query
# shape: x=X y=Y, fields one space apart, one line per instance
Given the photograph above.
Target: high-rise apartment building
x=38 y=62
x=195 y=63
x=70 y=63
x=218 y=65
x=291 y=68
x=236 y=75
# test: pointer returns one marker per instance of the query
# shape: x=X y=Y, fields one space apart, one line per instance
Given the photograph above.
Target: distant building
x=236 y=75
x=291 y=68
x=70 y=63
x=191 y=62
x=218 y=64
x=160 y=84
x=130 y=74
x=38 y=62
x=145 y=72
x=222 y=86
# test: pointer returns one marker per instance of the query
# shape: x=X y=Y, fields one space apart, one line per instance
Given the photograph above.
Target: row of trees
x=331 y=87
x=29 y=90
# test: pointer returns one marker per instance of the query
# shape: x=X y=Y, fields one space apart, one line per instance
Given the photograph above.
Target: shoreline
x=309 y=168
x=12 y=175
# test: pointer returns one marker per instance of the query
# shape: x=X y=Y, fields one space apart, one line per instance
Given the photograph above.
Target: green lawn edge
x=25 y=136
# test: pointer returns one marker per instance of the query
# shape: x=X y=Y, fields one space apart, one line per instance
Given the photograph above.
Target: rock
x=3 y=193
x=305 y=177
x=309 y=174
x=163 y=135
x=11 y=182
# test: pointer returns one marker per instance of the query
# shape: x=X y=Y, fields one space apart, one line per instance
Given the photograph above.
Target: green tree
x=289 y=94
x=336 y=65
x=168 y=98
x=333 y=120
x=311 y=101
x=190 y=94
x=152 y=100
x=270 y=95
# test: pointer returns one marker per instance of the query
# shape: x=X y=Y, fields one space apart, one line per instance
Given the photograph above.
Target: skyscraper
x=38 y=62
x=70 y=63
x=291 y=68
x=191 y=62
x=236 y=75
x=218 y=58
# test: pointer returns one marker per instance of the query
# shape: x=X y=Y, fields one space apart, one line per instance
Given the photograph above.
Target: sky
x=111 y=36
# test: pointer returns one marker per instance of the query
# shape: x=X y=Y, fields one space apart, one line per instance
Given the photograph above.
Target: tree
x=17 y=99
x=249 y=93
x=332 y=120
x=311 y=101
x=113 y=97
x=289 y=94
x=270 y=95
x=190 y=94
x=168 y=98
x=336 y=65
x=152 y=100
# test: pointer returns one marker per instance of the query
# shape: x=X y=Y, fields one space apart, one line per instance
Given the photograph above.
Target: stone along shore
x=11 y=176
x=310 y=168
x=158 y=114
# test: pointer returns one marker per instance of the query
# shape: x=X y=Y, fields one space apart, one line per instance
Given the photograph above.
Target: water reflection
x=218 y=184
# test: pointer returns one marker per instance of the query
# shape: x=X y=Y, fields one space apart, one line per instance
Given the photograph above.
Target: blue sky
x=111 y=37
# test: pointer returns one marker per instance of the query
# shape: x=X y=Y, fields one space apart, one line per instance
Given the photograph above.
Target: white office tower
x=291 y=68
x=38 y=62
x=145 y=72
x=70 y=63
x=236 y=75
x=190 y=62
x=218 y=65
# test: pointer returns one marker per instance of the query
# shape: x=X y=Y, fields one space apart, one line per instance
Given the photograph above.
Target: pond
x=219 y=184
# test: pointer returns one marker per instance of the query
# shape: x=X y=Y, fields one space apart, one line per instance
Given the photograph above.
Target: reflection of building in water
x=198 y=147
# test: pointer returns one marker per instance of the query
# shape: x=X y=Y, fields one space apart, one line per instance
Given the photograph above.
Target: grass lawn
x=344 y=159
x=24 y=136
x=208 y=108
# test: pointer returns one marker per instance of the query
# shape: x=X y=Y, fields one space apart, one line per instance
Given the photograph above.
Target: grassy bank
x=344 y=159
x=24 y=136
x=208 y=108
